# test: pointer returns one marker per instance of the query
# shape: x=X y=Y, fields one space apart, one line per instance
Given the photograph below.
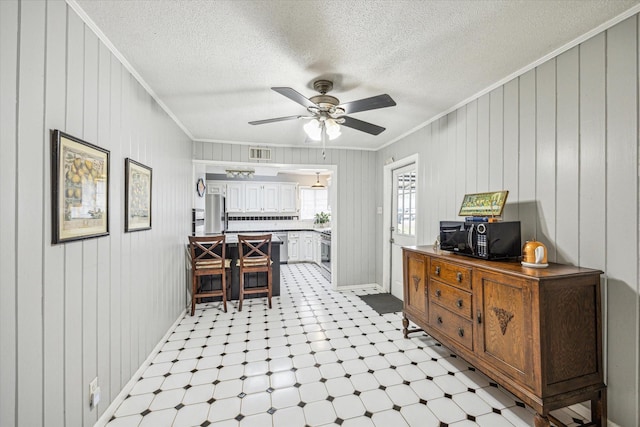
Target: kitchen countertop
x=232 y=236
x=319 y=230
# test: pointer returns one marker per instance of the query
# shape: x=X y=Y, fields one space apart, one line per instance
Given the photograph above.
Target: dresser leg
x=599 y=409
x=541 y=421
x=405 y=327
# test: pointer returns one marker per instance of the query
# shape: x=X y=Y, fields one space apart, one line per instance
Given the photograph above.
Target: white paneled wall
x=563 y=139
x=353 y=219
x=97 y=307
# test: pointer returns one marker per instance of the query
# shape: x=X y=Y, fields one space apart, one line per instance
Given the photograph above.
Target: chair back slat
x=207 y=252
x=254 y=250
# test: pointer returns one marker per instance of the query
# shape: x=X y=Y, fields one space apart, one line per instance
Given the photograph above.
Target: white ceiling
x=212 y=63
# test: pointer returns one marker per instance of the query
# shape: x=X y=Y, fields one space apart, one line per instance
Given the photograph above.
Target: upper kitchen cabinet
x=253 y=197
x=235 y=197
x=257 y=197
x=289 y=197
x=216 y=187
x=271 y=197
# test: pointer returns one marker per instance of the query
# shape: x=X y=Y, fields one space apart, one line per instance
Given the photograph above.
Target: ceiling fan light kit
x=327 y=114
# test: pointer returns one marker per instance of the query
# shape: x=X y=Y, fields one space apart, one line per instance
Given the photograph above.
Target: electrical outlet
x=94 y=393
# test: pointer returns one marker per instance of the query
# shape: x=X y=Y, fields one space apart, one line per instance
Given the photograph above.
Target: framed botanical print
x=80 y=189
x=137 y=199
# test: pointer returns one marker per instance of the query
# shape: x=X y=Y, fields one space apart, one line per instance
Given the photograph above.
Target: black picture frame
x=138 y=181
x=79 y=189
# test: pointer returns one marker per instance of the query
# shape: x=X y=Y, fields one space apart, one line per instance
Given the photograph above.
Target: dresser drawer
x=455 y=327
x=450 y=273
x=453 y=299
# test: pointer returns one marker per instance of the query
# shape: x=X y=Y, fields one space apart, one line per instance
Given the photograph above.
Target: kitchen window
x=313 y=201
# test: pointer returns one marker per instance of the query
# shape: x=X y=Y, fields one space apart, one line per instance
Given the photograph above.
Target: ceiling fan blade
x=380 y=101
x=360 y=125
x=277 y=119
x=295 y=96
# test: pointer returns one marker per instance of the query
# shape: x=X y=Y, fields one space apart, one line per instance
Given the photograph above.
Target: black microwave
x=486 y=240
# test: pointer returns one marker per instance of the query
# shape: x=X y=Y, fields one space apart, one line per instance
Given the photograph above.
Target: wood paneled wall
x=353 y=219
x=97 y=307
x=563 y=139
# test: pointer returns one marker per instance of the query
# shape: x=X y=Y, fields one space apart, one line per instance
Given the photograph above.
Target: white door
x=403 y=221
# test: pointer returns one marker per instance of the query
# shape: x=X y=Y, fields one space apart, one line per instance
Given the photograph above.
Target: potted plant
x=322 y=219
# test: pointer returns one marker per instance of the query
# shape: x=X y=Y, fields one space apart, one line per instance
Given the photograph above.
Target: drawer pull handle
x=459 y=277
x=459 y=303
x=438 y=293
x=460 y=332
x=437 y=270
x=440 y=320
x=479 y=316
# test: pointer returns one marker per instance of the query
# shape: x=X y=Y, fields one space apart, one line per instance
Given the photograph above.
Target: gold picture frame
x=80 y=189
x=137 y=200
x=489 y=204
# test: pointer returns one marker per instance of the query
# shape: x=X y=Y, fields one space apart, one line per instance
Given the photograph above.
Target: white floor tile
x=191 y=415
x=319 y=413
x=167 y=399
x=389 y=418
x=224 y=409
x=318 y=357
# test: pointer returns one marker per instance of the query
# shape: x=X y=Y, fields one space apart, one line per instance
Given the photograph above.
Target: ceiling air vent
x=259 y=153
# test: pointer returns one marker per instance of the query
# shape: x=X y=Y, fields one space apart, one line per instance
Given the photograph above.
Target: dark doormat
x=383 y=303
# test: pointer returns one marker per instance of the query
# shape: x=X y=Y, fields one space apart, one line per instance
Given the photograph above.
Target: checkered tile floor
x=318 y=358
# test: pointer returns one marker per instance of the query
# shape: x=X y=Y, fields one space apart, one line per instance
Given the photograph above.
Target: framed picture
x=80 y=189
x=137 y=196
x=200 y=187
x=484 y=204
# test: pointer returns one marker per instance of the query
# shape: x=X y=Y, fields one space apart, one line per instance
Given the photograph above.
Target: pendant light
x=317 y=184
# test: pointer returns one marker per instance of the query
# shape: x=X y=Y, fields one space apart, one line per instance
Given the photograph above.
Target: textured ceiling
x=212 y=63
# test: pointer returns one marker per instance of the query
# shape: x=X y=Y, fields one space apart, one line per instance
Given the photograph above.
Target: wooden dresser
x=536 y=332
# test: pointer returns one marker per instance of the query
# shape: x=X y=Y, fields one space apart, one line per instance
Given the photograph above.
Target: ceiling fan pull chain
x=323 y=136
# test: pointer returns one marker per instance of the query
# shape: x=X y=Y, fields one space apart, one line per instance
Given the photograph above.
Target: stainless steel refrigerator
x=215 y=221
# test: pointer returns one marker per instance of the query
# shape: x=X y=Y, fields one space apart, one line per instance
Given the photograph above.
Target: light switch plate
x=94 y=393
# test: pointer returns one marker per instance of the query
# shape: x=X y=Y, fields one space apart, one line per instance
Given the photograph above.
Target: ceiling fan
x=327 y=114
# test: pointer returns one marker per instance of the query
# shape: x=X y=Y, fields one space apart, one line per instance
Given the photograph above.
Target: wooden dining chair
x=254 y=256
x=208 y=258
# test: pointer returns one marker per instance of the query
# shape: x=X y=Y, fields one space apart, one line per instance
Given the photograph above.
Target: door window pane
x=406 y=193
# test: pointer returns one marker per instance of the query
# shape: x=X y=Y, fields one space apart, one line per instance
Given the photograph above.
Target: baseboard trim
x=111 y=409
x=356 y=287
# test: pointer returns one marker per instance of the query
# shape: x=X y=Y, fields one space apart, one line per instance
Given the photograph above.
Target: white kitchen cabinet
x=289 y=197
x=271 y=198
x=216 y=187
x=307 y=245
x=294 y=246
x=253 y=197
x=258 y=197
x=317 y=248
x=235 y=197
